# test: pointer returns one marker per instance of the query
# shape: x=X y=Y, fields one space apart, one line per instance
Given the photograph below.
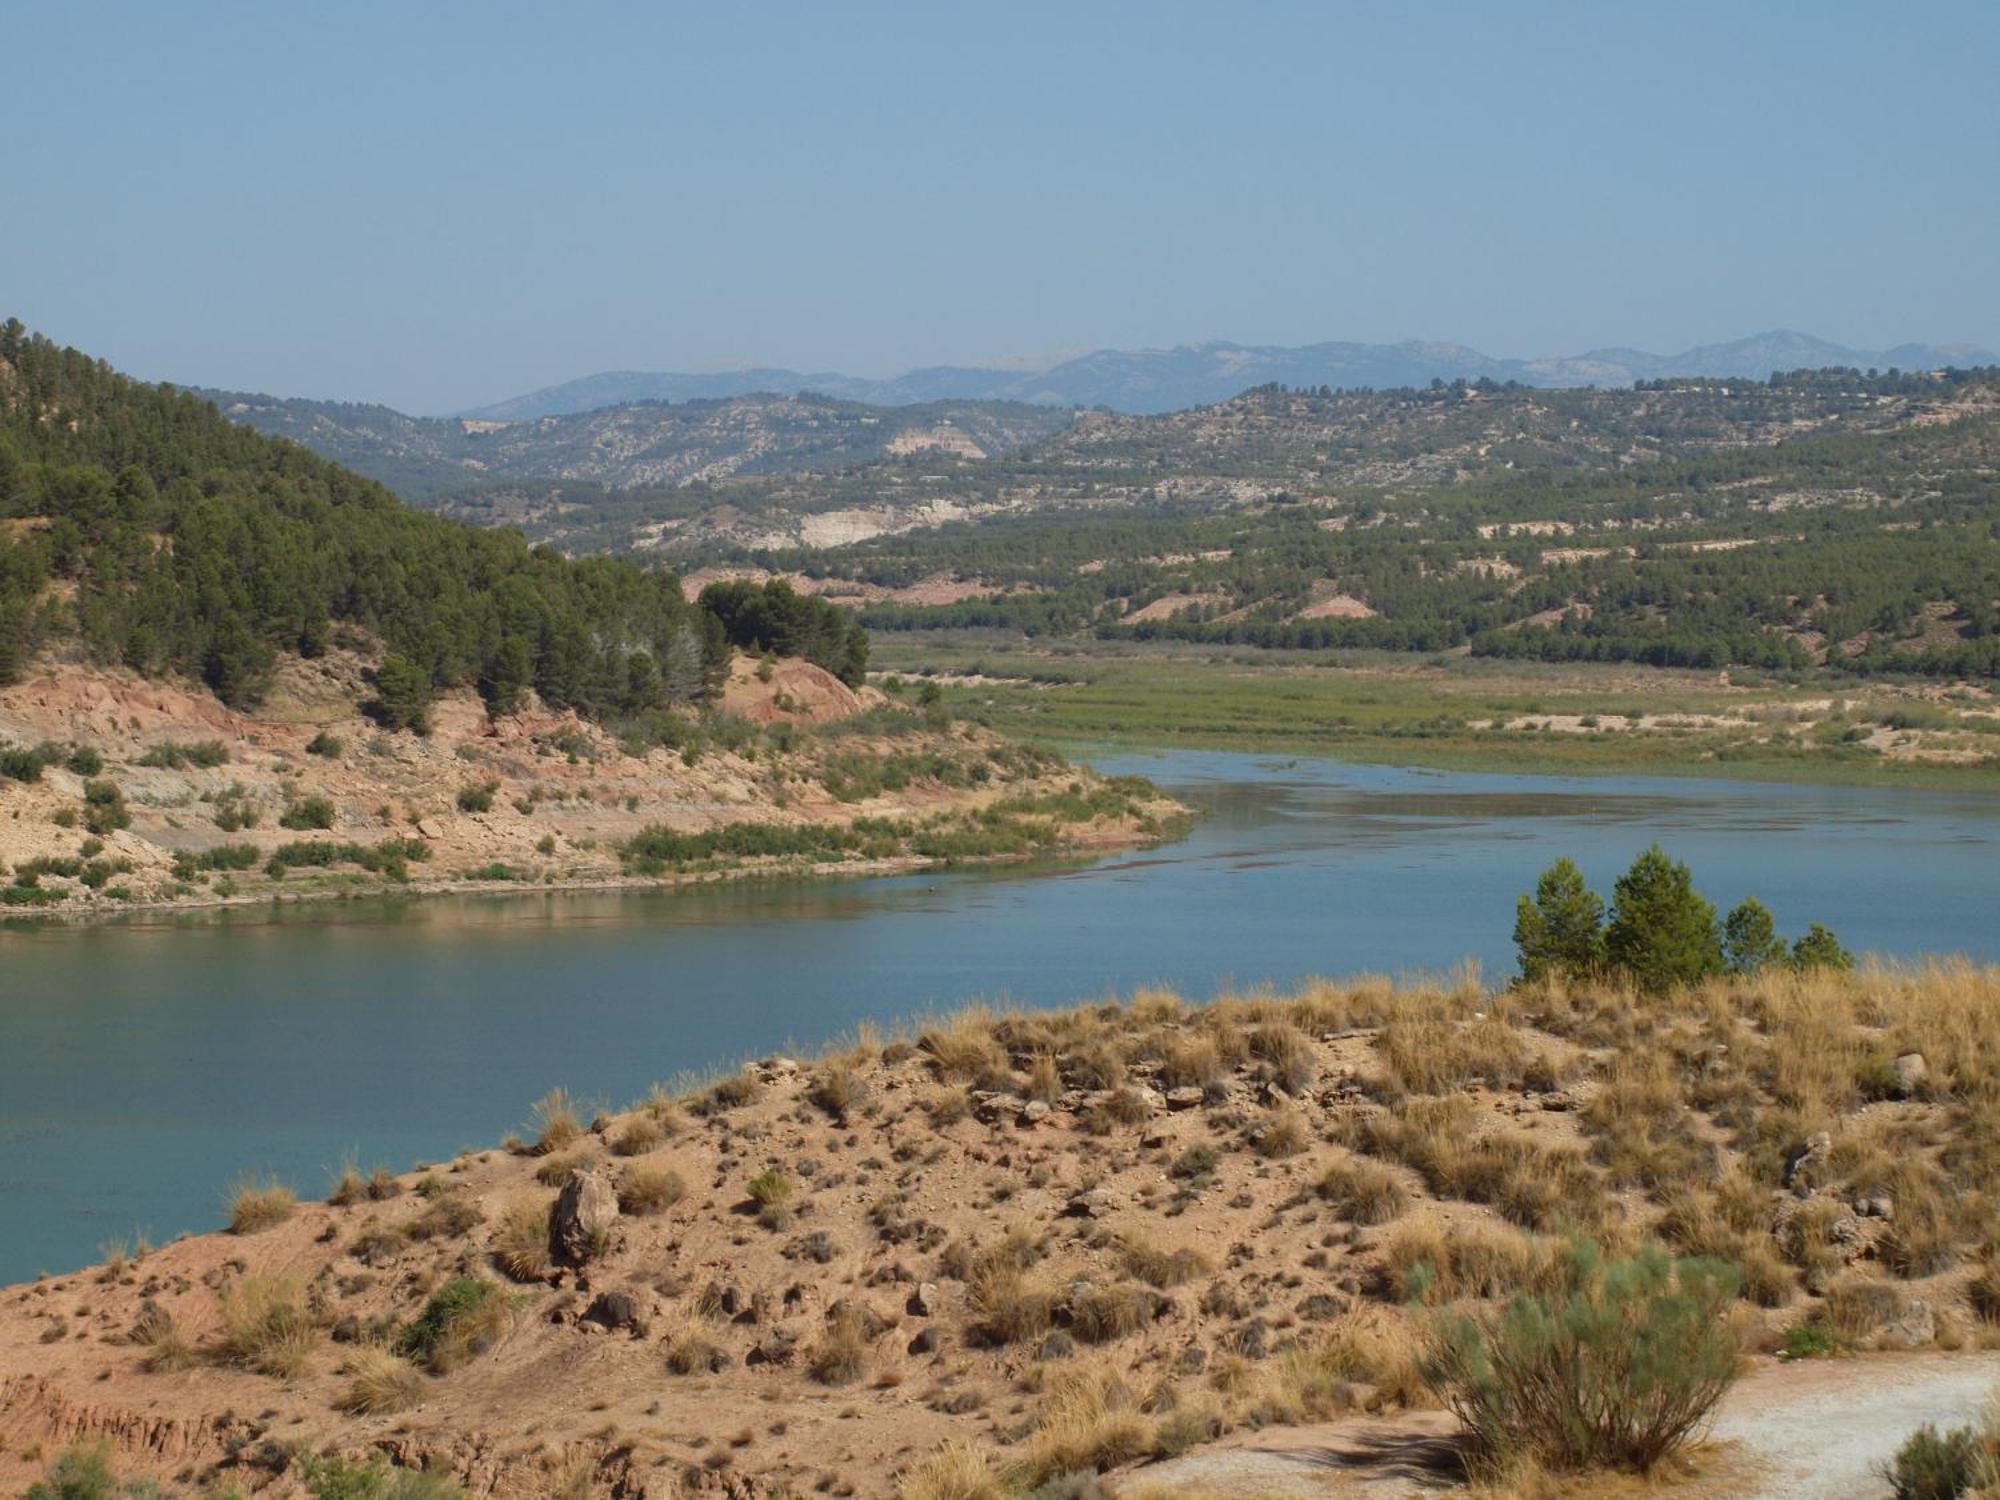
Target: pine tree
x=1559 y=930
x=1750 y=938
x=1662 y=931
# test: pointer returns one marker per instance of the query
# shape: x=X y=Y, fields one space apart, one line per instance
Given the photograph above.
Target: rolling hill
x=1161 y=380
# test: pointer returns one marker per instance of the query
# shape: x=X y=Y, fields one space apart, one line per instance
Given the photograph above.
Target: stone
x=774 y=1348
x=1875 y=1206
x=617 y=1311
x=1915 y=1327
x=927 y=1341
x=1057 y=1345
x=1032 y=1114
x=1804 y=1162
x=1187 y=1096
x=924 y=1300
x=585 y=1210
x=1909 y=1073
x=1092 y=1204
x=1154 y=1136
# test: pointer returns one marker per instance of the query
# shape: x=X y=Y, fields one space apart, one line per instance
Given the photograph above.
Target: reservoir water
x=145 y=1064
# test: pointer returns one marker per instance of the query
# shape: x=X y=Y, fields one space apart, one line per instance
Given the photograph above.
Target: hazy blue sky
x=437 y=204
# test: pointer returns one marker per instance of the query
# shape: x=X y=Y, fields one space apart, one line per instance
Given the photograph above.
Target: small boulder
x=1915 y=1327
x=1908 y=1074
x=923 y=1301
x=617 y=1311
x=585 y=1210
x=928 y=1341
x=1032 y=1114
x=1094 y=1203
x=1803 y=1165
x=1185 y=1097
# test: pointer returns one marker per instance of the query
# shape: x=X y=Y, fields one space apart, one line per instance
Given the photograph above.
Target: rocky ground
x=194 y=800
x=1025 y=1250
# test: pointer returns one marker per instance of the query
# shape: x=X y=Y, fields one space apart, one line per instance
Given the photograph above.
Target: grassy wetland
x=1460 y=712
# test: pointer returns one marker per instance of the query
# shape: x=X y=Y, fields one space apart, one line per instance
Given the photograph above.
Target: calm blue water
x=145 y=1065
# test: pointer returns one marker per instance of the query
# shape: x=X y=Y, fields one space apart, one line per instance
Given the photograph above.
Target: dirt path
x=1811 y=1431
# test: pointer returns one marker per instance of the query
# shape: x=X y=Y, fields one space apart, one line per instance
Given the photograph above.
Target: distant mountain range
x=1163 y=380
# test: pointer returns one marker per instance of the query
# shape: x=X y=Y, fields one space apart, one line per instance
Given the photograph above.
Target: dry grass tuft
x=1282 y=1132
x=167 y=1349
x=956 y=1471
x=1162 y=1268
x=1450 y=1263
x=1100 y=1314
x=258 y=1203
x=1088 y=1421
x=640 y=1134
x=649 y=1190
x=1362 y=1191
x=266 y=1325
x=556 y=1122
x=378 y=1382
x=521 y=1241
x=840 y=1356
x=1008 y=1305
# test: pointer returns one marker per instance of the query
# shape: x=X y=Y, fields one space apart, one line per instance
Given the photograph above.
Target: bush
x=1615 y=1367
x=174 y=756
x=462 y=1320
x=104 y=807
x=477 y=799
x=82 y=1472
x=1933 y=1465
x=307 y=812
x=324 y=745
x=377 y=1479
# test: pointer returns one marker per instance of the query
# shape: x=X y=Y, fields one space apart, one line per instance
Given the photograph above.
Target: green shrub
x=477 y=799
x=84 y=761
x=80 y=1472
x=324 y=745
x=1615 y=1367
x=461 y=1320
x=17 y=764
x=174 y=756
x=1933 y=1465
x=104 y=807
x=307 y=812
x=377 y=1479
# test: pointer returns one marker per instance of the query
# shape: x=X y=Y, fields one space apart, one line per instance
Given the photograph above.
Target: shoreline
x=905 y=864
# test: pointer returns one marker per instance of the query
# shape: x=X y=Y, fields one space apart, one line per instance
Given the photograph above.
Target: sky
x=439 y=205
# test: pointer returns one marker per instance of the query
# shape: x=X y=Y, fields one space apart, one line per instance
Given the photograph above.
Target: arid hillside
x=1019 y=1250
x=121 y=791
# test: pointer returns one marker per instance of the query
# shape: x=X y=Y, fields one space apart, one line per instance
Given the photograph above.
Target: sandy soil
x=1811 y=1430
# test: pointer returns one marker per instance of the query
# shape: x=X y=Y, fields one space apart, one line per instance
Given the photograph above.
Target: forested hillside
x=139 y=524
x=1826 y=518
